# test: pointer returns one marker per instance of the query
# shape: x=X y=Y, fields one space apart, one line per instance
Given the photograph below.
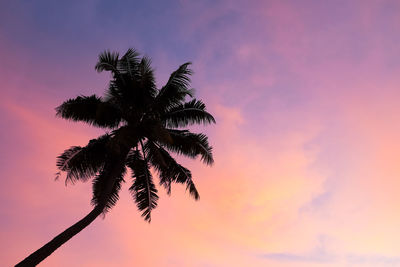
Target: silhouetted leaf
x=168 y=169
x=176 y=89
x=82 y=163
x=107 y=61
x=190 y=145
x=90 y=109
x=192 y=112
x=143 y=189
x=107 y=184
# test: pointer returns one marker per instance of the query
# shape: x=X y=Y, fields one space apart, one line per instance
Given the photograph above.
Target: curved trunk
x=45 y=251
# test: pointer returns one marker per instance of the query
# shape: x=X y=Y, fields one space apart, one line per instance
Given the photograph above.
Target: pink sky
x=306 y=143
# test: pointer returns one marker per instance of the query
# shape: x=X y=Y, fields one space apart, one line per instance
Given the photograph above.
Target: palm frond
x=143 y=189
x=192 y=112
x=147 y=80
x=82 y=163
x=107 y=184
x=169 y=170
x=90 y=109
x=107 y=61
x=128 y=64
x=190 y=145
x=192 y=190
x=176 y=89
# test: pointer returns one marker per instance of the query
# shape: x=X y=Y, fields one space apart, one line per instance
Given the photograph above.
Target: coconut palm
x=143 y=125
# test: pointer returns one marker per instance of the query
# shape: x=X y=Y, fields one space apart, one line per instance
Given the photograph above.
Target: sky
x=306 y=144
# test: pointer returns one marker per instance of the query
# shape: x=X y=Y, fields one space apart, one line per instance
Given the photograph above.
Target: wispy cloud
x=314 y=257
x=373 y=260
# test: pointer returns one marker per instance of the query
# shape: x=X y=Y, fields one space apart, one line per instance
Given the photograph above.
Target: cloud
x=374 y=260
x=316 y=257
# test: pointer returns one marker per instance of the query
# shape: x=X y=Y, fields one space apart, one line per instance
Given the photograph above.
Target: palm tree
x=143 y=125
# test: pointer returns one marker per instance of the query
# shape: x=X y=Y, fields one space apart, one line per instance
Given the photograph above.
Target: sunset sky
x=307 y=142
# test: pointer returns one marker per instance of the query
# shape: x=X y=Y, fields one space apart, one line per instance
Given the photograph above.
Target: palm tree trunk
x=45 y=251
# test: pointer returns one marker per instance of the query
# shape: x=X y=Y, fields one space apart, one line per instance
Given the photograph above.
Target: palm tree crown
x=144 y=125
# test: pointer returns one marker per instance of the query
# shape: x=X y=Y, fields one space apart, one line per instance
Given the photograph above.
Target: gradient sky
x=306 y=97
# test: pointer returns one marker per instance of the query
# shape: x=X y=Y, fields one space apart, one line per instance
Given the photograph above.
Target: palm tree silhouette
x=144 y=124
